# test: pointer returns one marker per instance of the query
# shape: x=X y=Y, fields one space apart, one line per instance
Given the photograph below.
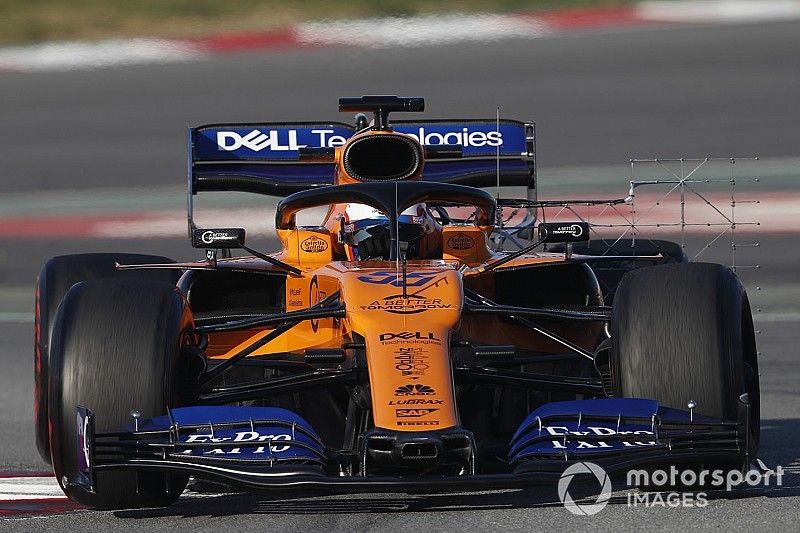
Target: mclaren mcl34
x=411 y=341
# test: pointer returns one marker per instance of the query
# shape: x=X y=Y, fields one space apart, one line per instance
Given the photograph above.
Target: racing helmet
x=365 y=232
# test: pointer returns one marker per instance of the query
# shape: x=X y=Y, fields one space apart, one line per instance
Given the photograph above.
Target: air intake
x=382 y=158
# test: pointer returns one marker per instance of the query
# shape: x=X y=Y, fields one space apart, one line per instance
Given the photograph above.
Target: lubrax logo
x=409 y=337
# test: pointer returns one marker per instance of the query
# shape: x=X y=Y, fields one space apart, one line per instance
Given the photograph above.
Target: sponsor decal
x=409 y=337
x=275 y=140
x=395 y=279
x=638 y=438
x=406 y=306
x=413 y=413
x=296 y=298
x=460 y=241
x=418 y=423
x=414 y=389
x=210 y=236
x=411 y=362
x=217 y=238
x=241 y=436
x=314 y=245
x=415 y=401
x=564 y=231
x=574 y=230
x=465 y=137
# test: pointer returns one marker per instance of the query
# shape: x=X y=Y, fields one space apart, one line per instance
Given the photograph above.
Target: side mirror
x=218 y=238
x=563 y=231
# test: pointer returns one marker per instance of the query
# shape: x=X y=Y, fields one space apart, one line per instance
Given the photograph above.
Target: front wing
x=240 y=446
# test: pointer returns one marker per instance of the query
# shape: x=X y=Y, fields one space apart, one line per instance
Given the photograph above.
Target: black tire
x=116 y=345
x=54 y=280
x=684 y=332
x=610 y=273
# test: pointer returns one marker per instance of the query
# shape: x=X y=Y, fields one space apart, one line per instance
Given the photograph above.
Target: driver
x=365 y=233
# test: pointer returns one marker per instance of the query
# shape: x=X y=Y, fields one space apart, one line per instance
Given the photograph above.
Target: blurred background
x=97 y=95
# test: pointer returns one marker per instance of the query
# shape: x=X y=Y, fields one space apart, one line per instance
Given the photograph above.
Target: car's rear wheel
x=684 y=332
x=116 y=347
x=54 y=280
x=609 y=272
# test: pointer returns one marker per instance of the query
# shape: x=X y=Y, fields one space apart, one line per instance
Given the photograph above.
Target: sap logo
x=257 y=141
x=409 y=335
x=413 y=413
x=463 y=137
x=395 y=279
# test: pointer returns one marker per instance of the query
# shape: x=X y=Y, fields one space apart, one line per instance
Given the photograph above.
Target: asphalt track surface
x=598 y=98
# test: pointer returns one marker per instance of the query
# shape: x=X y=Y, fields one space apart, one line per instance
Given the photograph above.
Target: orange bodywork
x=407 y=334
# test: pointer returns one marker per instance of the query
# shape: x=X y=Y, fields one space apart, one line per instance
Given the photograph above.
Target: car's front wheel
x=116 y=345
x=683 y=332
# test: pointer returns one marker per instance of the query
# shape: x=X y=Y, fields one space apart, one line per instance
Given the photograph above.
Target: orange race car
x=414 y=340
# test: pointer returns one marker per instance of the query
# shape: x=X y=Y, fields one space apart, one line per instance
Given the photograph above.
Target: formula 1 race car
x=414 y=341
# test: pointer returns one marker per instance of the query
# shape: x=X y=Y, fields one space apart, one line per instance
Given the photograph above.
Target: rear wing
x=263 y=158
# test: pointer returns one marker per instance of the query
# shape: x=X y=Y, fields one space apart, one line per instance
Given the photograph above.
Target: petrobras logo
x=465 y=137
x=277 y=140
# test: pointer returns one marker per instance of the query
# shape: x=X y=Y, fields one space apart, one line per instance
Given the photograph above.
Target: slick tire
x=54 y=280
x=116 y=346
x=684 y=332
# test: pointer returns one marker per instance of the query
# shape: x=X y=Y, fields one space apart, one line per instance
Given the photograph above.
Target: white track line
x=30 y=488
